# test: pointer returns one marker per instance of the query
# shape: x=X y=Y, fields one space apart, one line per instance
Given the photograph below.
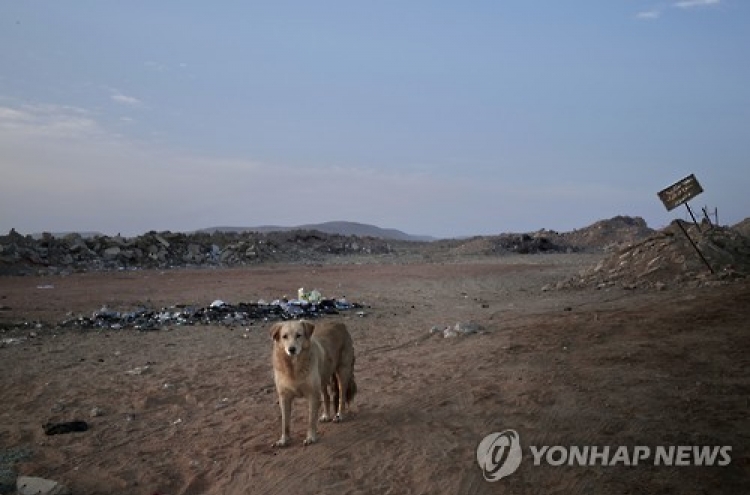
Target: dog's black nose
x=292 y=350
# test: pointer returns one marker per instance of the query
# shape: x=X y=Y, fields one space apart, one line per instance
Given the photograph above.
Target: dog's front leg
x=285 y=403
x=312 y=427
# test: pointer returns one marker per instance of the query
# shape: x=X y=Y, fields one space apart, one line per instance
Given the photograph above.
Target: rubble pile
x=667 y=258
x=608 y=234
x=49 y=254
x=533 y=243
x=743 y=227
x=604 y=235
x=26 y=255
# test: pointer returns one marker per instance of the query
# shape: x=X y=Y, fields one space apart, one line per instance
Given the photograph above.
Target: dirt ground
x=585 y=368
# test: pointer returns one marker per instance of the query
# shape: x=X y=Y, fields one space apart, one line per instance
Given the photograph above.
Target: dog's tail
x=351 y=390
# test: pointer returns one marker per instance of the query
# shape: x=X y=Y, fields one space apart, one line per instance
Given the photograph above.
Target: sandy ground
x=597 y=368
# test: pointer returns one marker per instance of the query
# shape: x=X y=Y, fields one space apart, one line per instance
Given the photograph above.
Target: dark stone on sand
x=65 y=427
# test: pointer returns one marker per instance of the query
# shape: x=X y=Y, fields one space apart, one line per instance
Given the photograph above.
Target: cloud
x=156 y=66
x=648 y=15
x=125 y=99
x=656 y=12
x=164 y=67
x=30 y=122
x=689 y=4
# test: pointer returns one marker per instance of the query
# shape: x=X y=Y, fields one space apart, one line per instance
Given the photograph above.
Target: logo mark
x=499 y=454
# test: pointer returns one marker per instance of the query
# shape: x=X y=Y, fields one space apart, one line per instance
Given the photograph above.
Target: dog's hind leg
x=335 y=389
x=326 y=416
x=342 y=380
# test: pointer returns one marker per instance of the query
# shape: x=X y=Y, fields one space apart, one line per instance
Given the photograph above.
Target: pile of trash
x=668 y=258
x=216 y=313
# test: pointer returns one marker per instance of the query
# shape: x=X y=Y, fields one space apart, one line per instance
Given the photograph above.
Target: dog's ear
x=274 y=331
x=308 y=328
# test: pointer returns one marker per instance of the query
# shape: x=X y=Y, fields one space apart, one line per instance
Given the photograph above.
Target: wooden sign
x=680 y=192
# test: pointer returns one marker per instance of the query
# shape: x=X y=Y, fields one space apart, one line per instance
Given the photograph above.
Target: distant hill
x=338 y=227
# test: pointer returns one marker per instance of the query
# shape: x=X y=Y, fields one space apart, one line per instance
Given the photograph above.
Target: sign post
x=679 y=193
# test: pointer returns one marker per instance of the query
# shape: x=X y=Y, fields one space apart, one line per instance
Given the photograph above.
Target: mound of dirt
x=667 y=258
x=605 y=235
x=743 y=227
x=609 y=234
x=533 y=243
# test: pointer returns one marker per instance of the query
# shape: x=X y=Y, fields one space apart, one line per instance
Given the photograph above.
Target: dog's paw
x=310 y=440
x=324 y=418
x=281 y=442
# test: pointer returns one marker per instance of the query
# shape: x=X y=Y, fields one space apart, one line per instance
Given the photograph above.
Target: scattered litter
x=12 y=341
x=449 y=333
x=105 y=313
x=460 y=328
x=467 y=327
x=139 y=370
x=32 y=485
x=45 y=287
x=9 y=457
x=343 y=304
x=65 y=427
x=315 y=296
x=96 y=412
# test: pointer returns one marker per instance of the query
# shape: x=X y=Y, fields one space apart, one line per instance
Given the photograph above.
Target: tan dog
x=307 y=359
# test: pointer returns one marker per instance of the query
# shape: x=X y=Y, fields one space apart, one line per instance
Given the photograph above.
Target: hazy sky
x=434 y=117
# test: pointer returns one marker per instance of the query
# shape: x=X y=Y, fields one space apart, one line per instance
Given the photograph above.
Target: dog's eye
x=299 y=335
x=285 y=337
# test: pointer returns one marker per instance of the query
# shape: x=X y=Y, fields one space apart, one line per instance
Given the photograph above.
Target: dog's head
x=292 y=336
